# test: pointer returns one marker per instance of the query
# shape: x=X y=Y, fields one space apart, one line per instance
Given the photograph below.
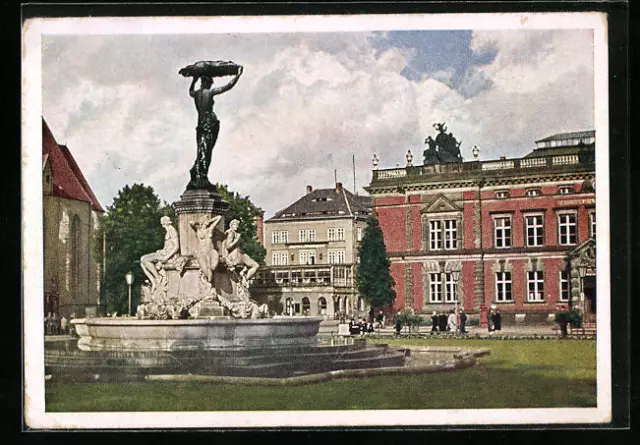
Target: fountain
x=196 y=315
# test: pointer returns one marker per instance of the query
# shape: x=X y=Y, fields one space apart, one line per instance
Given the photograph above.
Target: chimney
x=309 y=189
x=503 y=158
x=338 y=187
x=260 y=229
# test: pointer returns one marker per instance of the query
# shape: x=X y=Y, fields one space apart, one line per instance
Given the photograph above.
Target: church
x=73 y=243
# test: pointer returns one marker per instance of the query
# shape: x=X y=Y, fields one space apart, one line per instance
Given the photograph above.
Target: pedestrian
x=63 y=325
x=434 y=322
x=380 y=319
x=491 y=320
x=442 y=322
x=363 y=326
x=353 y=327
x=452 y=323
x=463 y=321
x=370 y=329
x=398 y=324
x=497 y=320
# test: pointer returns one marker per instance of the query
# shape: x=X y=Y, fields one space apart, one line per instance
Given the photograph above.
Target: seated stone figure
x=233 y=256
x=152 y=262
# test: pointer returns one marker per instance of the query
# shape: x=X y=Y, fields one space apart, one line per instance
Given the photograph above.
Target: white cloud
x=304 y=105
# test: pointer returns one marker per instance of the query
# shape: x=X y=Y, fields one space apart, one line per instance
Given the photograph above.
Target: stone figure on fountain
x=151 y=263
x=206 y=255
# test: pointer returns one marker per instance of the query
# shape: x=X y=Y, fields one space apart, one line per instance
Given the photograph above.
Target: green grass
x=517 y=374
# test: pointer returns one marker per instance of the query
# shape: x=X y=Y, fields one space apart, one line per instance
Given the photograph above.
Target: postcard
x=316 y=221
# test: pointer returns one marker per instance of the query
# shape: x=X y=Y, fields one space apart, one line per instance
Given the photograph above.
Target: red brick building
x=520 y=231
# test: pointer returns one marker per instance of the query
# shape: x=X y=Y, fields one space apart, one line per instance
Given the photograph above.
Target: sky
x=308 y=104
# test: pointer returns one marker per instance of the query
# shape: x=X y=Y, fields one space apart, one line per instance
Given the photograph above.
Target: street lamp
x=129 y=277
x=455 y=274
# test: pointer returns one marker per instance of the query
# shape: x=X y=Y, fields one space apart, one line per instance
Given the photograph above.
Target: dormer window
x=565 y=190
x=533 y=192
x=502 y=194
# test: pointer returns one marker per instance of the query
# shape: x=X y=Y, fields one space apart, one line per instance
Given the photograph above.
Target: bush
x=473 y=321
x=573 y=317
x=409 y=319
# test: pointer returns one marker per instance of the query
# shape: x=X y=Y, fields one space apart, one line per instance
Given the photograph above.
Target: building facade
x=72 y=240
x=518 y=234
x=312 y=249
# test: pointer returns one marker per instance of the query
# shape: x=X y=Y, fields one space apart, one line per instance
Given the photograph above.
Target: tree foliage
x=132 y=229
x=375 y=283
x=242 y=209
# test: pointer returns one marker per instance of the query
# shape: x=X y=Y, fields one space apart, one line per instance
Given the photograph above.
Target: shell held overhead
x=212 y=68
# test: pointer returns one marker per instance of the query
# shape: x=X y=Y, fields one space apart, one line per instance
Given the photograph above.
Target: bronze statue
x=443 y=149
x=208 y=123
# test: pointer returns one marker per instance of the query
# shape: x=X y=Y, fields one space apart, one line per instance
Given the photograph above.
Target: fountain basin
x=130 y=334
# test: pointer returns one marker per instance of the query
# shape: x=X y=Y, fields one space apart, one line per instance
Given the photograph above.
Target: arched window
x=345 y=305
x=288 y=306
x=76 y=261
x=306 y=306
x=322 y=306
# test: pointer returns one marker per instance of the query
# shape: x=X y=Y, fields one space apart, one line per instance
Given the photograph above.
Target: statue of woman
x=206 y=254
x=233 y=256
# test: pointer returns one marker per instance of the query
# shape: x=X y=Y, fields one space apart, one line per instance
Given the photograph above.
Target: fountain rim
x=108 y=321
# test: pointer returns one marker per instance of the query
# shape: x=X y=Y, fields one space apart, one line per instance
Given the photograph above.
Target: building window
x=450 y=295
x=278 y=237
x=502 y=195
x=306 y=306
x=535 y=287
x=359 y=233
x=533 y=192
x=564 y=293
x=435 y=288
x=322 y=306
x=503 y=287
x=565 y=190
x=502 y=232
x=534 y=226
x=450 y=234
x=307 y=257
x=279 y=258
x=435 y=235
x=592 y=224
x=331 y=234
x=450 y=229
x=567 y=229
x=307 y=235
x=336 y=256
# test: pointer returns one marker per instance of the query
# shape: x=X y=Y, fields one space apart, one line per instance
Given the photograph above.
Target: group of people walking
x=361 y=327
x=441 y=322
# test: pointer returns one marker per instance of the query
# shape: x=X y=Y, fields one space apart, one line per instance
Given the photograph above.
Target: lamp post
x=455 y=274
x=129 y=277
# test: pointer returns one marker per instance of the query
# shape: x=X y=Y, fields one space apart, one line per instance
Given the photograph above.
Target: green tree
x=375 y=283
x=242 y=209
x=132 y=229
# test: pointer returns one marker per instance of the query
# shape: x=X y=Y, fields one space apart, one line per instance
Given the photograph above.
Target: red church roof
x=68 y=180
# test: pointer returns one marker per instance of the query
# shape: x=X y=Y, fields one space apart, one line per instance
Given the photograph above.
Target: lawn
x=517 y=374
